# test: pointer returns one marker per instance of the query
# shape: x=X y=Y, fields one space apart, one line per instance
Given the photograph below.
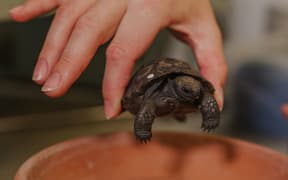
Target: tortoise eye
x=186 y=90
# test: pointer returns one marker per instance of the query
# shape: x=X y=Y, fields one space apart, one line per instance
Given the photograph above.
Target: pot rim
x=52 y=150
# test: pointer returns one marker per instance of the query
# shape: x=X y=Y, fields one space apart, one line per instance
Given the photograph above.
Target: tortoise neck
x=169 y=89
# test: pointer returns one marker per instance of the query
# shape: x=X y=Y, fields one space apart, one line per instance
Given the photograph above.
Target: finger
x=210 y=58
x=206 y=42
x=57 y=37
x=32 y=8
x=91 y=30
x=285 y=110
x=202 y=33
x=135 y=33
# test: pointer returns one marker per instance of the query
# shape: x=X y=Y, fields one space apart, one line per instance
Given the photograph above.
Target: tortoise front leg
x=143 y=122
x=210 y=112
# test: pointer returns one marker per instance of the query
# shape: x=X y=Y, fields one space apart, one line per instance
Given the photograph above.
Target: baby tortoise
x=169 y=86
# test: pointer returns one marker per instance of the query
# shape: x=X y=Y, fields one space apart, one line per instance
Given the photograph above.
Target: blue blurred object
x=260 y=90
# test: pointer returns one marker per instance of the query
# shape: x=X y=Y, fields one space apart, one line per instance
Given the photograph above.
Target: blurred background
x=256 y=48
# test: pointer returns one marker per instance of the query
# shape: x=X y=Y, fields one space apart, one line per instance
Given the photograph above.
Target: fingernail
x=110 y=110
x=16 y=9
x=52 y=83
x=220 y=98
x=40 y=71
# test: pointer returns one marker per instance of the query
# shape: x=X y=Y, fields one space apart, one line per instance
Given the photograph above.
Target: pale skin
x=81 y=26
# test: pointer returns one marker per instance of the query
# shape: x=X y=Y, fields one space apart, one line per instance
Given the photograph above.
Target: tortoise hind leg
x=143 y=122
x=210 y=112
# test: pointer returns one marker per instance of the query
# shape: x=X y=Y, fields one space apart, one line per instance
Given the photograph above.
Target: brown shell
x=160 y=69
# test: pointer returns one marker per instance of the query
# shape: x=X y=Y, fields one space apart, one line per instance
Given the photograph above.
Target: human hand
x=284 y=109
x=80 y=27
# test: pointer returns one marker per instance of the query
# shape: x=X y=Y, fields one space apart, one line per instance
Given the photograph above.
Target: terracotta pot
x=167 y=156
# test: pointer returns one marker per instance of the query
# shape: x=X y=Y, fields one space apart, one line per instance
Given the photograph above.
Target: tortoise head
x=187 y=89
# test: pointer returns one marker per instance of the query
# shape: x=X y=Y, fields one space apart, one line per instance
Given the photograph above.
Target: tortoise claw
x=144 y=138
x=210 y=125
x=145 y=141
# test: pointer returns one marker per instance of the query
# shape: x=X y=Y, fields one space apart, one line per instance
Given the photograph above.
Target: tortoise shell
x=159 y=70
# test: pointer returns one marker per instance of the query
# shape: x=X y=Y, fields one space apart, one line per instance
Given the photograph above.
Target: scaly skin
x=169 y=87
x=210 y=112
x=143 y=122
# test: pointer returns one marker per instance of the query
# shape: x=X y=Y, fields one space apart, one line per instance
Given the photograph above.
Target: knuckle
x=65 y=60
x=115 y=52
x=148 y=7
x=71 y=64
x=65 y=66
x=86 y=23
x=63 y=11
x=42 y=56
